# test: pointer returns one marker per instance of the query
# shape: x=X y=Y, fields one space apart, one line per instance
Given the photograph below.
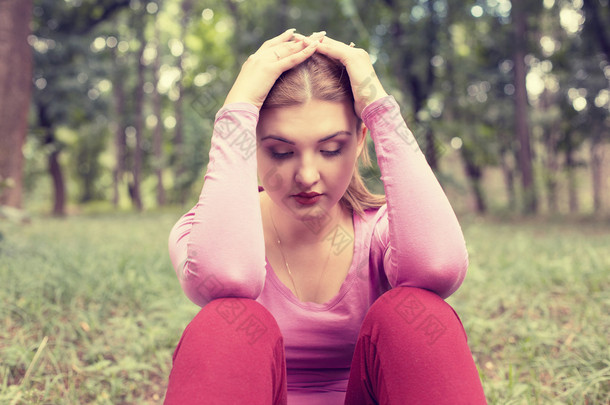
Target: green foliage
x=449 y=64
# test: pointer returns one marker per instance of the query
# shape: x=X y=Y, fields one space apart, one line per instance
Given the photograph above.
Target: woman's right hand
x=260 y=71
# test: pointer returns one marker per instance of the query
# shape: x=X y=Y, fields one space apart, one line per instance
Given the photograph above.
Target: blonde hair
x=320 y=77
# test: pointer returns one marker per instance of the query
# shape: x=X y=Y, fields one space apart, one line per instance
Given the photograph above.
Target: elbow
x=241 y=285
x=448 y=275
x=449 y=279
x=203 y=287
x=442 y=274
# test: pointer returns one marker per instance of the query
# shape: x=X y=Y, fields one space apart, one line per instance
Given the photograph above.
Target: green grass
x=102 y=291
x=91 y=310
x=536 y=306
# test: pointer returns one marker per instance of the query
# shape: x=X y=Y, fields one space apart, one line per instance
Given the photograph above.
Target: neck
x=308 y=230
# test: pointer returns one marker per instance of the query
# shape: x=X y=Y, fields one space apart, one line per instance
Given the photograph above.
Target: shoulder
x=374 y=222
x=373 y=215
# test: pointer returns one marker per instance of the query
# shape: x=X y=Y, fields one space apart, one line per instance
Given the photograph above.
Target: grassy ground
x=90 y=310
x=536 y=306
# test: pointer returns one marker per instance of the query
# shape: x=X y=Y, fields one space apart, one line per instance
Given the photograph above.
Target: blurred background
x=111 y=102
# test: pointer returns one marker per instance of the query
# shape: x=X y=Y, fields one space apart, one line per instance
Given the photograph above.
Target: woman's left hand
x=365 y=83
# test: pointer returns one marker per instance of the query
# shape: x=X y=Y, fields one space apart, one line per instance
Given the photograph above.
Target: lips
x=307 y=198
x=307 y=195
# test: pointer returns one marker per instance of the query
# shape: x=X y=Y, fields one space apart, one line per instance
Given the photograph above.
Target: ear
x=361 y=133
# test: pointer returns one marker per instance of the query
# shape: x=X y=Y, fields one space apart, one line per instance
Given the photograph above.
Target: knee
x=233 y=311
x=240 y=314
x=231 y=349
x=234 y=324
x=405 y=310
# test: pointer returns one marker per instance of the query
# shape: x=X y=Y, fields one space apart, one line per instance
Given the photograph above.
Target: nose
x=307 y=174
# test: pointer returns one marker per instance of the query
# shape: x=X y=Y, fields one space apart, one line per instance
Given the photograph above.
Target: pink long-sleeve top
x=218 y=249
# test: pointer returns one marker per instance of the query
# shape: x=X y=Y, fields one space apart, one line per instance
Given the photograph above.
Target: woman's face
x=307 y=154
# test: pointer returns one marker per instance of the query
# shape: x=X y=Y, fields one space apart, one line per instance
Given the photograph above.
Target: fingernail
x=291 y=30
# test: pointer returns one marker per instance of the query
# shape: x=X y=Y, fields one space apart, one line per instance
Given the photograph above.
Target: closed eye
x=331 y=152
x=280 y=156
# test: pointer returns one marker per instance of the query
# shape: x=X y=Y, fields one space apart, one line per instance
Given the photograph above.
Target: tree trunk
x=530 y=204
x=158 y=133
x=407 y=75
x=508 y=173
x=594 y=19
x=474 y=174
x=571 y=173
x=119 y=136
x=15 y=93
x=431 y=34
x=551 y=174
x=431 y=150
x=232 y=6
x=139 y=115
x=551 y=161
x=59 y=187
x=178 y=142
x=597 y=159
x=53 y=165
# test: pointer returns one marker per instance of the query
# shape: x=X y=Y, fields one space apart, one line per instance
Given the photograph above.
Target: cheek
x=347 y=171
x=341 y=172
x=271 y=175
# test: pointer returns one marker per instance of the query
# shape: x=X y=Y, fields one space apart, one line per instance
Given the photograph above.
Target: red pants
x=412 y=349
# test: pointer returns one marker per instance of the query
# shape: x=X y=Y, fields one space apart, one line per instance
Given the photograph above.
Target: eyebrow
x=326 y=138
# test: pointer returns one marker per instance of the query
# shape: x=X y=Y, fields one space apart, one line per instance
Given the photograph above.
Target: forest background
x=106 y=113
x=509 y=101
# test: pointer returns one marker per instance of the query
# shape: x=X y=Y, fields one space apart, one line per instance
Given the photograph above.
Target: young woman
x=315 y=291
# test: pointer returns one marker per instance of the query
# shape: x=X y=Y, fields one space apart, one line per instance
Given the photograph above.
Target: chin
x=318 y=212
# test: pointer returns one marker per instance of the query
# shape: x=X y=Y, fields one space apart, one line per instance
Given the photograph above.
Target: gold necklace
x=279 y=243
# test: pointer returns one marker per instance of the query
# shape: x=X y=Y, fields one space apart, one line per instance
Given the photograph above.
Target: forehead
x=314 y=119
